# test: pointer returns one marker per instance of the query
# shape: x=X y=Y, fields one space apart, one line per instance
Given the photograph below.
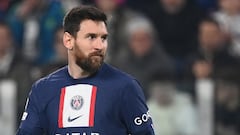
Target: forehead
x=90 y=26
x=209 y=26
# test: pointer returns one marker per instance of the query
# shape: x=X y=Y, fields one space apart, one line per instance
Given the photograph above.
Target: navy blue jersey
x=107 y=103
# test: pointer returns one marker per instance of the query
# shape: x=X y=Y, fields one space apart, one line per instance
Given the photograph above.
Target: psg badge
x=77 y=102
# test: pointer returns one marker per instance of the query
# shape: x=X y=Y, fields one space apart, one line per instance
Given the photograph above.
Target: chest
x=83 y=106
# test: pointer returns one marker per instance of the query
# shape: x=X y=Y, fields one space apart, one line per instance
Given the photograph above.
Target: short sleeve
x=135 y=111
x=30 y=124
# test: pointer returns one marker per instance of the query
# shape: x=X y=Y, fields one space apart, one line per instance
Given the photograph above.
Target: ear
x=68 y=40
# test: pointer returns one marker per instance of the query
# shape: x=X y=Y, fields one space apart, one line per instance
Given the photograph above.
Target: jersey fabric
x=109 y=102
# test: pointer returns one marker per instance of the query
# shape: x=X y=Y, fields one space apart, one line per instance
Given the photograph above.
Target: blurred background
x=185 y=53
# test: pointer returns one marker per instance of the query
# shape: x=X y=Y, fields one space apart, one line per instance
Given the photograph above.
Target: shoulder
x=45 y=84
x=118 y=75
x=126 y=83
x=123 y=82
x=46 y=88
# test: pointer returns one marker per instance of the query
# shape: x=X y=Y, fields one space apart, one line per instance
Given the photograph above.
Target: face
x=163 y=93
x=140 y=42
x=230 y=6
x=210 y=36
x=88 y=48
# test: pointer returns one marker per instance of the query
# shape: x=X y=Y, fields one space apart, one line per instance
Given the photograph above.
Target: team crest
x=77 y=106
x=77 y=102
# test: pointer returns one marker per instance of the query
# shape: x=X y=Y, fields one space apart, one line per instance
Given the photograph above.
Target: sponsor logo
x=72 y=119
x=142 y=119
x=77 y=102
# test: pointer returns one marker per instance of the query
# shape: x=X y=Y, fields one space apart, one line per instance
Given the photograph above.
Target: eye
x=91 y=37
x=104 y=38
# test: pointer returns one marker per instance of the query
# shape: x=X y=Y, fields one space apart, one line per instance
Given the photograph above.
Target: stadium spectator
x=13 y=67
x=227 y=106
x=228 y=16
x=33 y=23
x=144 y=56
x=212 y=55
x=172 y=111
x=177 y=22
x=118 y=15
x=60 y=58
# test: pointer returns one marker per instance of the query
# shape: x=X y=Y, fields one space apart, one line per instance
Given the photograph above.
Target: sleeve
x=134 y=111
x=30 y=124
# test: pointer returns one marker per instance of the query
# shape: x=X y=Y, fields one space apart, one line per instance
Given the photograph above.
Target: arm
x=135 y=112
x=30 y=124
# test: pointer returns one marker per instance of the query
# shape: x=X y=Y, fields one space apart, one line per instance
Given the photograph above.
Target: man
x=16 y=74
x=33 y=24
x=143 y=50
x=87 y=97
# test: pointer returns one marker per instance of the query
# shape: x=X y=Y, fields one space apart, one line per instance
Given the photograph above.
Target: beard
x=90 y=63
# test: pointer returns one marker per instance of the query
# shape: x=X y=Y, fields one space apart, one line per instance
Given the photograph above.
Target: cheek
x=105 y=47
x=78 y=52
x=82 y=47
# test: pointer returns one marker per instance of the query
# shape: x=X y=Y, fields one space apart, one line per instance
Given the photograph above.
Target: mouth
x=97 y=56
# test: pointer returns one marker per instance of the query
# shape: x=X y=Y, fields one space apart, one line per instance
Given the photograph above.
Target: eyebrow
x=91 y=34
x=105 y=35
x=95 y=34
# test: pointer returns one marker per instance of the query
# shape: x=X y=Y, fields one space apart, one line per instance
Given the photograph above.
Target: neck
x=76 y=71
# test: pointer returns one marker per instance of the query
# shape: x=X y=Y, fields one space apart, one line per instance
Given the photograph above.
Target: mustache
x=97 y=53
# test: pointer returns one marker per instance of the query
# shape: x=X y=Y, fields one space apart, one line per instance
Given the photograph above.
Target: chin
x=90 y=64
x=96 y=61
x=96 y=66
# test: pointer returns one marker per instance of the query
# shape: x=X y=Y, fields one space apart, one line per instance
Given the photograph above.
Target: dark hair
x=74 y=17
x=210 y=19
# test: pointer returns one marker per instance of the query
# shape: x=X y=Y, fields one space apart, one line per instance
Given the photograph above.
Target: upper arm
x=135 y=111
x=30 y=124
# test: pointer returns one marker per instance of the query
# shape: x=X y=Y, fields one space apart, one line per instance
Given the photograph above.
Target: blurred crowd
x=185 y=53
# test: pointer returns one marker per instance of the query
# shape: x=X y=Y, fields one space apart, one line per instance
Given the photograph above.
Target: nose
x=99 y=44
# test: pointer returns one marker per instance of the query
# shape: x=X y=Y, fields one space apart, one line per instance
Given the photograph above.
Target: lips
x=97 y=58
x=98 y=54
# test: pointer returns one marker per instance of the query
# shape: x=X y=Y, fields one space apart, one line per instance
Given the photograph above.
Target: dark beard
x=91 y=63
